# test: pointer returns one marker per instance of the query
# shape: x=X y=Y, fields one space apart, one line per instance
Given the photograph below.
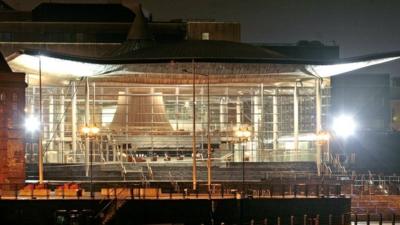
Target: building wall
x=12 y=136
x=366 y=97
x=213 y=31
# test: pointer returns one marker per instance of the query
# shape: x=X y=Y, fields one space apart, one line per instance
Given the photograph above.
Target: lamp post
x=90 y=132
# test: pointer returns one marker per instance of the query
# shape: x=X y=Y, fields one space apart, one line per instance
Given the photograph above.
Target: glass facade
x=156 y=123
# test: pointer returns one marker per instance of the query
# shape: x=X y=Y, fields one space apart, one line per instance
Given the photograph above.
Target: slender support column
x=74 y=94
x=256 y=128
x=223 y=113
x=194 y=153
x=202 y=112
x=153 y=95
x=51 y=136
x=318 y=127
x=61 y=128
x=237 y=154
x=177 y=117
x=127 y=98
x=295 y=119
x=40 y=144
x=275 y=121
x=114 y=149
x=87 y=123
x=209 y=162
x=238 y=112
x=261 y=134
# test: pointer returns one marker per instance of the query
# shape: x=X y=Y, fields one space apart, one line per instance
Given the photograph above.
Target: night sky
x=357 y=26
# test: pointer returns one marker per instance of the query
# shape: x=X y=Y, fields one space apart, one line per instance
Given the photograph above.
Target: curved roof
x=220 y=58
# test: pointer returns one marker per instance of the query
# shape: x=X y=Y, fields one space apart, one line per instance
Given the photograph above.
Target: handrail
x=123 y=168
x=150 y=170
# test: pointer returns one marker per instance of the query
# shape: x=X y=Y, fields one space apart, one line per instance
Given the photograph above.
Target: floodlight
x=344 y=126
x=32 y=124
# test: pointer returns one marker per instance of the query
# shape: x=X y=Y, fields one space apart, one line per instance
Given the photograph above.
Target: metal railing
x=164 y=191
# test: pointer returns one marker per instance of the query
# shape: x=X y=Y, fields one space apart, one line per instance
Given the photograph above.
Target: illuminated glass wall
x=154 y=123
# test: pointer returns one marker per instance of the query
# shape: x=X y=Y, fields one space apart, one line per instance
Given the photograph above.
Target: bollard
x=394 y=219
x=278 y=221
x=330 y=219
x=368 y=219
x=291 y=220
x=380 y=219
x=305 y=219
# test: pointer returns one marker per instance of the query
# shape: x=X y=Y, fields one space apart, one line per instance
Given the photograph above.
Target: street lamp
x=90 y=132
x=243 y=133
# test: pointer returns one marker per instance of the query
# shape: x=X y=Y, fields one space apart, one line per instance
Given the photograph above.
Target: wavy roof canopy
x=216 y=58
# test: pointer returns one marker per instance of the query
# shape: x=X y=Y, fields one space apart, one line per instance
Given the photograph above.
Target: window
x=205 y=36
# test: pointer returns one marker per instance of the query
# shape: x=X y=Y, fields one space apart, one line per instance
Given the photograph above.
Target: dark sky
x=357 y=26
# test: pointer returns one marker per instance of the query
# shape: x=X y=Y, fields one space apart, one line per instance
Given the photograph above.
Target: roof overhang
x=67 y=67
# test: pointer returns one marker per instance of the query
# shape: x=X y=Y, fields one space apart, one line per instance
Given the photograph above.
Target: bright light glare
x=85 y=130
x=32 y=124
x=243 y=133
x=95 y=130
x=90 y=130
x=344 y=126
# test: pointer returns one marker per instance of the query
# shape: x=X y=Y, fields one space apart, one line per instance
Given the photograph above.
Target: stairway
x=111 y=210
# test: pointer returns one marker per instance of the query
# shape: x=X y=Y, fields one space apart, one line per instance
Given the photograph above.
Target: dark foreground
x=189 y=211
